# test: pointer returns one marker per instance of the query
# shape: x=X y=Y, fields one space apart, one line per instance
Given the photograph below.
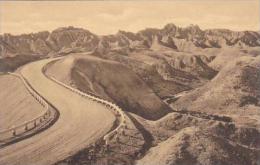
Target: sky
x=107 y=17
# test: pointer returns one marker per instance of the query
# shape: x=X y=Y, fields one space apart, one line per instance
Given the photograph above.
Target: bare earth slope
x=81 y=123
x=228 y=54
x=191 y=146
x=110 y=80
x=12 y=63
x=234 y=91
x=193 y=95
x=17 y=105
x=181 y=139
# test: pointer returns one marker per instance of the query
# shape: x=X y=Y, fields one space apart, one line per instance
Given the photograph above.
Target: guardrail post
x=123 y=132
x=106 y=142
x=48 y=113
x=89 y=155
x=34 y=123
x=106 y=148
x=26 y=127
x=92 y=154
x=14 y=132
x=124 y=126
x=124 y=121
x=117 y=138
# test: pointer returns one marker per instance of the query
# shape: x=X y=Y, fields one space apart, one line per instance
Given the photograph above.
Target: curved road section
x=80 y=124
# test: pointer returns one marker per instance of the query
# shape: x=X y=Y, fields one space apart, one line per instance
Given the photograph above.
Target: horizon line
x=80 y=27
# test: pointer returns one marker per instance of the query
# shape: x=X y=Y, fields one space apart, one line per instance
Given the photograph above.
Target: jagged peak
x=170 y=35
x=25 y=34
x=194 y=28
x=170 y=26
x=122 y=32
x=218 y=31
x=70 y=28
x=149 y=30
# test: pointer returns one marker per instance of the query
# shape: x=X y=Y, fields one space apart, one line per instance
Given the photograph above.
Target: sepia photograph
x=130 y=82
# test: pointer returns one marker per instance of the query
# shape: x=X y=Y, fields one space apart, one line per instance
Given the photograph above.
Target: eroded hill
x=110 y=80
x=192 y=94
x=234 y=91
x=170 y=37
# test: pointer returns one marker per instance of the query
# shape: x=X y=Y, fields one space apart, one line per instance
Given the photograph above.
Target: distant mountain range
x=71 y=39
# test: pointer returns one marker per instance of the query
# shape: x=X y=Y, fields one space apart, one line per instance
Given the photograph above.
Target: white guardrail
x=115 y=109
x=42 y=119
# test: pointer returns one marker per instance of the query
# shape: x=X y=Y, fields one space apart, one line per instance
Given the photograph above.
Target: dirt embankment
x=81 y=122
x=193 y=146
x=187 y=139
x=110 y=80
x=233 y=92
x=217 y=123
x=167 y=72
x=17 y=105
x=9 y=64
x=184 y=139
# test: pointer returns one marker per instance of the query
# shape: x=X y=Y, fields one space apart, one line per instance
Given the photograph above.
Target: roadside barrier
x=41 y=120
x=113 y=107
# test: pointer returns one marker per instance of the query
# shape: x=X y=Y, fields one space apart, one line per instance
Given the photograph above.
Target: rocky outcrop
x=34 y=43
x=171 y=37
x=71 y=37
x=233 y=91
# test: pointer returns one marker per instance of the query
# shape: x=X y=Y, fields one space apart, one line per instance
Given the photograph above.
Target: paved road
x=81 y=123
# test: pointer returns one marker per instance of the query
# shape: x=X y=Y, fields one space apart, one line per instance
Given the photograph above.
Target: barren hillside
x=170 y=37
x=234 y=91
x=194 y=146
x=17 y=105
x=191 y=96
x=110 y=80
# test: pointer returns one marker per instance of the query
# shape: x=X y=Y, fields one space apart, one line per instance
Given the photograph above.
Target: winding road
x=81 y=123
